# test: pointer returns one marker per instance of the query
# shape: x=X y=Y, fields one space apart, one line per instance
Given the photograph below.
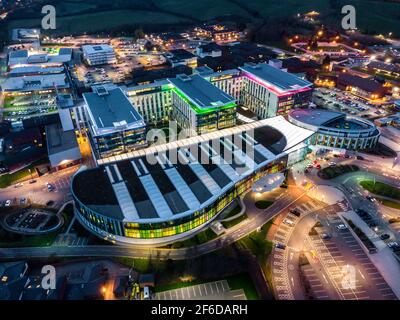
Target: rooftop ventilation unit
x=184 y=77
x=101 y=91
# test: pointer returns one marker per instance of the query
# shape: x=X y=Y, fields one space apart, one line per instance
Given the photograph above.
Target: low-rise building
x=209 y=50
x=35 y=84
x=384 y=68
x=23 y=58
x=181 y=57
x=62 y=147
x=366 y=88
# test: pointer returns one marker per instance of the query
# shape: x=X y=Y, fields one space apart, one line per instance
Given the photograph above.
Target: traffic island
x=336 y=171
x=381 y=189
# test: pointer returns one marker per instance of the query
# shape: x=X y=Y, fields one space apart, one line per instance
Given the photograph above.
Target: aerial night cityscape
x=218 y=150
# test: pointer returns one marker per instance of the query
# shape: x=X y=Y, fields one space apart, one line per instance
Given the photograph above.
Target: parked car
x=288 y=222
x=341 y=227
x=295 y=212
x=280 y=246
x=8 y=203
x=393 y=245
x=326 y=236
x=372 y=199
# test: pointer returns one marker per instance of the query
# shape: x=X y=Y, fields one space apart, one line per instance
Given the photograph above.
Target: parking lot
x=342 y=252
x=281 y=255
x=218 y=290
x=319 y=292
x=32 y=221
x=337 y=100
x=22 y=107
x=70 y=240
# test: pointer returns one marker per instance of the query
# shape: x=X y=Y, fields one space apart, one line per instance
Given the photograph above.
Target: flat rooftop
x=35 y=82
x=59 y=140
x=201 y=92
x=111 y=109
x=170 y=181
x=97 y=48
x=181 y=54
x=330 y=119
x=281 y=80
x=316 y=117
x=25 y=57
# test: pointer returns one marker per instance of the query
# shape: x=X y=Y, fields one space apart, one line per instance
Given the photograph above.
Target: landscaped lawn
x=232 y=212
x=8 y=102
x=258 y=244
x=199 y=238
x=388 y=203
x=8 y=179
x=263 y=204
x=243 y=281
x=234 y=222
x=381 y=189
x=336 y=171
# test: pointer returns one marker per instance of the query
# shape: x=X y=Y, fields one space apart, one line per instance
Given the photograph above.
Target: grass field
x=100 y=21
x=199 y=238
x=389 y=203
x=257 y=243
x=381 y=189
x=8 y=179
x=336 y=171
x=263 y=204
x=75 y=15
x=234 y=222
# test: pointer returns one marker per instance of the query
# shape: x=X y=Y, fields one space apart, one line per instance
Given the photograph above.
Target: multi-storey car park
x=336 y=130
x=167 y=192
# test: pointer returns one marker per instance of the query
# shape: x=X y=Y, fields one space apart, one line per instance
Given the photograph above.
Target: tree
x=139 y=33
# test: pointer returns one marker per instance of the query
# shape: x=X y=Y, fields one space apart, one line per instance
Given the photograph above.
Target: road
x=232 y=235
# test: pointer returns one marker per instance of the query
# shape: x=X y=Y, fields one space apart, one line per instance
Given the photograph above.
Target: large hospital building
x=162 y=193
x=167 y=192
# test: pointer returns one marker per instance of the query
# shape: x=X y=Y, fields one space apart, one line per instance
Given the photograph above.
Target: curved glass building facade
x=337 y=130
x=164 y=193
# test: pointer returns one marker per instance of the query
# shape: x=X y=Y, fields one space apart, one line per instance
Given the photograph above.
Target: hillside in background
x=76 y=16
